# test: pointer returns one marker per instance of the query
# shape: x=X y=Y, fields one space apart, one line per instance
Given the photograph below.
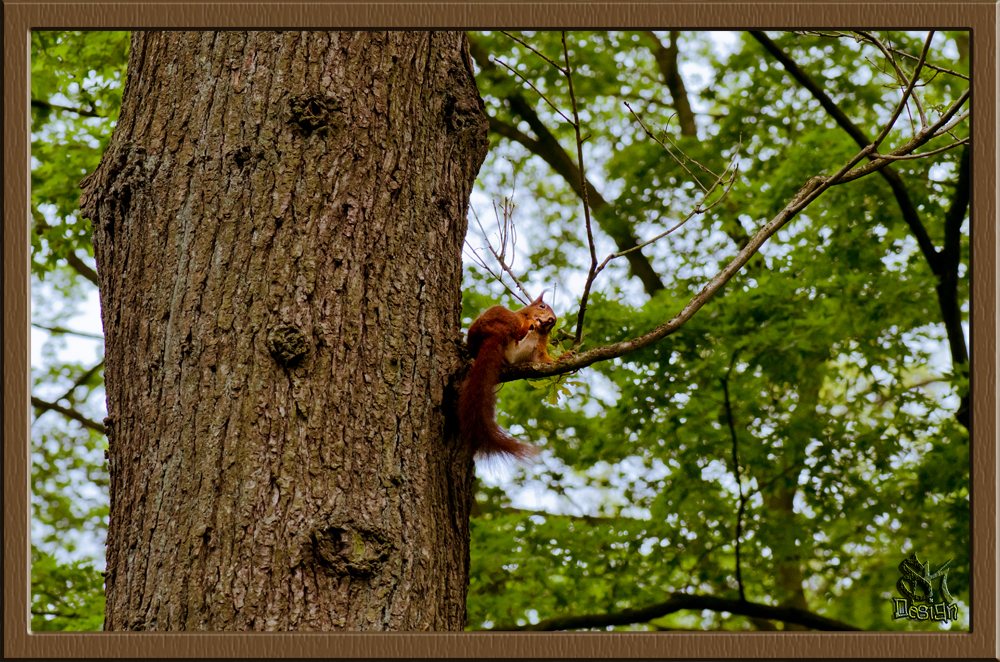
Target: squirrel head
x=543 y=317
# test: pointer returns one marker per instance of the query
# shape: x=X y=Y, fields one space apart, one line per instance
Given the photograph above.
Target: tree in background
x=772 y=459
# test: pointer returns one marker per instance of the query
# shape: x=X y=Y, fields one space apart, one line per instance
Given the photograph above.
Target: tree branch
x=82 y=268
x=68 y=413
x=45 y=105
x=593 y=520
x=60 y=330
x=681 y=601
x=806 y=194
x=666 y=60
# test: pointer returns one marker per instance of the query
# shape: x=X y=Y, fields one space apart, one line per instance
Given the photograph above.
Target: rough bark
x=278 y=225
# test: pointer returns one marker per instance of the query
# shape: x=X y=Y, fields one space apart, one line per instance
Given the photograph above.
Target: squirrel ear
x=539 y=299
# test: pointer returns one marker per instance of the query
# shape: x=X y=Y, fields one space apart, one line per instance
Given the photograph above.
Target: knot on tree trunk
x=287 y=344
x=312 y=112
x=345 y=549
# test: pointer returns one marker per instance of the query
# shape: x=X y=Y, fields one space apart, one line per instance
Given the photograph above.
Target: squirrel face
x=538 y=319
x=540 y=315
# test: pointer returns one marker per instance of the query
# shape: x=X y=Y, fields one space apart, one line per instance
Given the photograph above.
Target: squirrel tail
x=477 y=407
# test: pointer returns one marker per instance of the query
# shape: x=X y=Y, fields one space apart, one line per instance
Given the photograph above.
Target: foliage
x=846 y=466
x=81 y=71
x=65 y=596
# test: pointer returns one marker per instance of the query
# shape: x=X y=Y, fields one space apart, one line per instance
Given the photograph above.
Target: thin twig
x=909 y=88
x=908 y=147
x=669 y=151
x=903 y=53
x=532 y=85
x=696 y=211
x=578 y=336
x=922 y=154
x=951 y=125
x=499 y=257
x=535 y=51
x=475 y=256
x=902 y=81
x=736 y=472
x=58 y=330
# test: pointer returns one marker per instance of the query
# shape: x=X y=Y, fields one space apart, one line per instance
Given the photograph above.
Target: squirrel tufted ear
x=539 y=299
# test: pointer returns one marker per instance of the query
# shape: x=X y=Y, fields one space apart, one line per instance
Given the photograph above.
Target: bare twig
x=508 y=236
x=736 y=471
x=951 y=125
x=532 y=86
x=858 y=37
x=908 y=147
x=902 y=83
x=669 y=151
x=475 y=256
x=903 y=53
x=58 y=330
x=699 y=209
x=907 y=92
x=578 y=337
x=536 y=51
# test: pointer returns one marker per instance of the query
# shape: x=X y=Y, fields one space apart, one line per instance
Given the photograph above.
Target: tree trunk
x=278 y=224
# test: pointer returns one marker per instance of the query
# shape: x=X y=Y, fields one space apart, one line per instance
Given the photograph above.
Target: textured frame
x=21 y=17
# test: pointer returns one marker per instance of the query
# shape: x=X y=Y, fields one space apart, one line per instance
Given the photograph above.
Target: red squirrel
x=497 y=338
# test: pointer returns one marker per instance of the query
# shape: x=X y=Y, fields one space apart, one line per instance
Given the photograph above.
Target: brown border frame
x=20 y=17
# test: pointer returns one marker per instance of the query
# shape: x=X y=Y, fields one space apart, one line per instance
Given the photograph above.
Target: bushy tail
x=477 y=407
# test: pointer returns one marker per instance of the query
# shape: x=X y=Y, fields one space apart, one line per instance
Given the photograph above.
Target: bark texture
x=278 y=225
